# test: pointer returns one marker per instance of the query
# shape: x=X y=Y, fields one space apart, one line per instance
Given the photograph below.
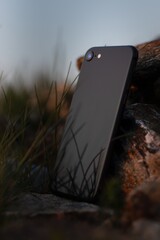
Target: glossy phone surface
x=95 y=109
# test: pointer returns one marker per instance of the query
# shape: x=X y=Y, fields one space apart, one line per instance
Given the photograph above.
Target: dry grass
x=30 y=134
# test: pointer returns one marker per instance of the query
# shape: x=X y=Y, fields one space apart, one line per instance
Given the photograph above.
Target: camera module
x=89 y=55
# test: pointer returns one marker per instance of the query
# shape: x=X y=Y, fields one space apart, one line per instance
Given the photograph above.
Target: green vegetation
x=112 y=195
x=31 y=122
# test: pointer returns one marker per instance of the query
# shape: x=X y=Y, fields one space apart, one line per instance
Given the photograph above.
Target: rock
x=140 y=146
x=146 y=229
x=143 y=202
x=146 y=79
x=32 y=204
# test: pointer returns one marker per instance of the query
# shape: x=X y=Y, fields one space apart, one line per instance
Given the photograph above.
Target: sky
x=38 y=35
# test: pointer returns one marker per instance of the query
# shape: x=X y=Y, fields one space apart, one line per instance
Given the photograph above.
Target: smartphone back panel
x=95 y=109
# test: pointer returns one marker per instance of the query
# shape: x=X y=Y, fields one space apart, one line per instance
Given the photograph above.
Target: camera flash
x=99 y=55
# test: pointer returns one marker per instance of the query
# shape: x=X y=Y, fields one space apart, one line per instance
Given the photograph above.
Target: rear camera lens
x=89 y=55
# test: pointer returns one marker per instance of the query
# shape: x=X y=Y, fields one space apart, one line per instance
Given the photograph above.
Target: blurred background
x=46 y=35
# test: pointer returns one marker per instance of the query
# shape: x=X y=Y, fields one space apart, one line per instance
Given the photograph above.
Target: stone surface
x=32 y=204
x=45 y=216
x=140 y=146
x=146 y=229
x=60 y=228
x=143 y=202
x=146 y=80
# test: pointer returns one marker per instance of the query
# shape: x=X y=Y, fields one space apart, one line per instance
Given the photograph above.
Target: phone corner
x=134 y=51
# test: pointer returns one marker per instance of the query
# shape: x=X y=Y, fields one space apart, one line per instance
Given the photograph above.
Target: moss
x=112 y=195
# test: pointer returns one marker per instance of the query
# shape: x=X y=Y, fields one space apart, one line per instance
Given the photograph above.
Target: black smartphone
x=97 y=104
